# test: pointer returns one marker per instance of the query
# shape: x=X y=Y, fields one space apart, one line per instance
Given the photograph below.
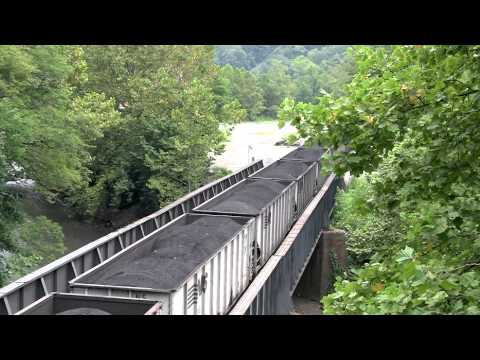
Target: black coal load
x=166 y=259
x=75 y=304
x=248 y=198
x=287 y=170
x=303 y=153
x=84 y=311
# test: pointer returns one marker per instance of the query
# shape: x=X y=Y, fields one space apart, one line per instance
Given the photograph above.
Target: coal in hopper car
x=270 y=202
x=76 y=304
x=197 y=264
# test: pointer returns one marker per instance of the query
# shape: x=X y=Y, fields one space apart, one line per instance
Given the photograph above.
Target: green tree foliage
x=334 y=75
x=239 y=84
x=332 y=53
x=285 y=54
x=234 y=55
x=307 y=75
x=259 y=52
x=297 y=71
x=35 y=97
x=276 y=84
x=9 y=214
x=33 y=242
x=369 y=228
x=189 y=162
x=159 y=147
x=409 y=118
x=328 y=76
x=100 y=128
x=14 y=265
x=40 y=141
x=40 y=237
x=227 y=109
x=231 y=112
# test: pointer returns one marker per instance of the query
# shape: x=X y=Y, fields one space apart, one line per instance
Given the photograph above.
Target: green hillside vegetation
x=409 y=122
x=259 y=77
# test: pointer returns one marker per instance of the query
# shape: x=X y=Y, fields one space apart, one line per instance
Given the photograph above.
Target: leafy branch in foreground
x=409 y=119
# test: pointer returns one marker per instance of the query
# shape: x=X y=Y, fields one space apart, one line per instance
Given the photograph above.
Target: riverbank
x=77 y=232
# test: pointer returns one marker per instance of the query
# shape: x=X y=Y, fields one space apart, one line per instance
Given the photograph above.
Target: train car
x=55 y=276
x=304 y=173
x=197 y=264
x=303 y=153
x=270 y=202
x=76 y=304
x=314 y=154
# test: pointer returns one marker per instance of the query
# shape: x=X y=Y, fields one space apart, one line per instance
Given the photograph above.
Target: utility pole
x=248 y=155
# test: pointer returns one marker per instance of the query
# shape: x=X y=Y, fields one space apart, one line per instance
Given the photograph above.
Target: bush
x=37 y=241
x=367 y=228
x=413 y=251
x=14 y=265
x=40 y=237
x=216 y=173
x=409 y=283
x=3 y=269
x=290 y=139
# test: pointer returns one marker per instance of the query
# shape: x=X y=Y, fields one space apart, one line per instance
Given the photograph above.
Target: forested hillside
x=259 y=77
x=258 y=57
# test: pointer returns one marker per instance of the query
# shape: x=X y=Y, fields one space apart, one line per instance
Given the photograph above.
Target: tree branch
x=425 y=104
x=469 y=93
x=466 y=265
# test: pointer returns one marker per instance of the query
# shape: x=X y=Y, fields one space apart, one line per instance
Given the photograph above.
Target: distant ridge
x=257 y=58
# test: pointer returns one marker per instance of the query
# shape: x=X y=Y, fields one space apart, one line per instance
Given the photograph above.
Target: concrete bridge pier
x=328 y=257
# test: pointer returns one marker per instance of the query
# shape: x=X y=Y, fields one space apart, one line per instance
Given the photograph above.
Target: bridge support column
x=317 y=278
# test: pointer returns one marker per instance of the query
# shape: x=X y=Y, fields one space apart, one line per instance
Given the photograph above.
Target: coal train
x=202 y=261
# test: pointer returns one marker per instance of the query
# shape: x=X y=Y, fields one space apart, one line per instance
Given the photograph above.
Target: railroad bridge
x=240 y=245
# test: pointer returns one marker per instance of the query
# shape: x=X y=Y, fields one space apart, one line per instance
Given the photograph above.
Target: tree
x=40 y=139
x=259 y=52
x=40 y=237
x=234 y=55
x=307 y=79
x=39 y=142
x=227 y=109
x=276 y=84
x=332 y=53
x=100 y=128
x=9 y=214
x=409 y=118
x=241 y=85
x=168 y=90
x=297 y=71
